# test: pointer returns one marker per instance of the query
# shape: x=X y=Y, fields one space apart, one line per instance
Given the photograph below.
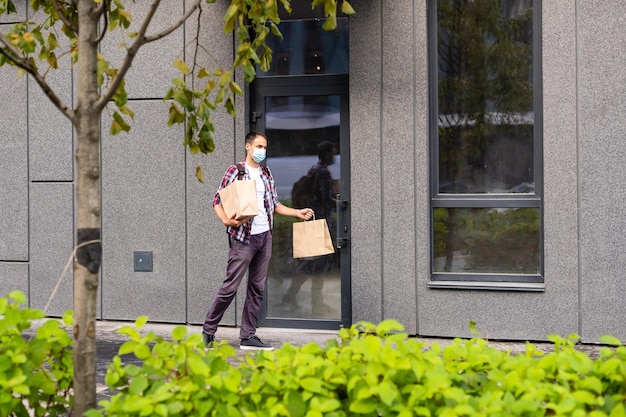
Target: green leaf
x=330 y=23
x=225 y=78
x=388 y=326
x=234 y=87
x=141 y=321
x=387 y=393
x=127 y=347
x=311 y=384
x=230 y=18
x=199 y=174
x=197 y=365
x=230 y=106
x=176 y=116
x=618 y=411
x=179 y=82
x=364 y=406
x=181 y=66
x=7 y=6
x=203 y=73
x=346 y=8
x=585 y=397
x=142 y=352
x=17 y=296
x=127 y=111
x=138 y=385
x=117 y=127
x=610 y=340
x=179 y=333
x=472 y=327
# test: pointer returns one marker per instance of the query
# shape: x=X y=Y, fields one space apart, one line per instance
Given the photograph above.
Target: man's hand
x=232 y=222
x=227 y=221
x=305 y=213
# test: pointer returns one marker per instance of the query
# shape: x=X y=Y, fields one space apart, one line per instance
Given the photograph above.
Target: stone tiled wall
x=601 y=161
x=152 y=201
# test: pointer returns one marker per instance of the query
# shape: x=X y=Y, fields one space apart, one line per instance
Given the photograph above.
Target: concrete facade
x=152 y=201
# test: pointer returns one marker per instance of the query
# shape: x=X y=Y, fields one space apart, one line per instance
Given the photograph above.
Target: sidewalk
x=107 y=330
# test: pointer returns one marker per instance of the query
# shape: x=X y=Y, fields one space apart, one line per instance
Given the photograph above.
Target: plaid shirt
x=242 y=233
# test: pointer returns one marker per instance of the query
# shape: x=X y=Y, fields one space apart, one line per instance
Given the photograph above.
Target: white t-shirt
x=261 y=222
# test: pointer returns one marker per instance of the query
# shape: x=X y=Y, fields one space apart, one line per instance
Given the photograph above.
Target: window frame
x=474 y=280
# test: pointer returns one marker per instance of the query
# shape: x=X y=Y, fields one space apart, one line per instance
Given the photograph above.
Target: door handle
x=343 y=233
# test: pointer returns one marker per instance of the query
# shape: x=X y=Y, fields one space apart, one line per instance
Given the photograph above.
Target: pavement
x=108 y=342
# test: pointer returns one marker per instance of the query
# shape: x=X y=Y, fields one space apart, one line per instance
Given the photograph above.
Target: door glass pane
x=306 y=48
x=296 y=127
x=485 y=96
x=492 y=240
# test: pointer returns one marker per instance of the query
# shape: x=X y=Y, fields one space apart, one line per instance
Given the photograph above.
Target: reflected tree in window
x=486 y=214
x=485 y=96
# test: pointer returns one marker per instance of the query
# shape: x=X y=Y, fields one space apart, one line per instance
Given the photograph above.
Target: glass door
x=306 y=122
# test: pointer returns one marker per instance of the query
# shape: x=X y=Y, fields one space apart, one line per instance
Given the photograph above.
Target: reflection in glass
x=486 y=240
x=485 y=96
x=308 y=288
x=306 y=48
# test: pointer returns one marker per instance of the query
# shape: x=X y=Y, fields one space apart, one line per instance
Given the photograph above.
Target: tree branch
x=63 y=17
x=21 y=61
x=106 y=20
x=102 y=8
x=139 y=42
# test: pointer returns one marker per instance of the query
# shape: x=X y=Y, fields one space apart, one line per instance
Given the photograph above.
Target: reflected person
x=320 y=197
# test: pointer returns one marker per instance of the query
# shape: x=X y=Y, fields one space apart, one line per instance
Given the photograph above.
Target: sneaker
x=209 y=340
x=254 y=343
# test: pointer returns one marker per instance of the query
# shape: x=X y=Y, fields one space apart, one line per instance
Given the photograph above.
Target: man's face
x=259 y=143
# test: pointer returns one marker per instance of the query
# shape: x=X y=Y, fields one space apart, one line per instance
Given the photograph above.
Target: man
x=251 y=245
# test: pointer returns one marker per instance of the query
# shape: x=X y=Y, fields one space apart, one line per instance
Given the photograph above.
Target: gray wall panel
x=143 y=192
x=50 y=132
x=560 y=165
x=365 y=161
x=152 y=71
x=602 y=78
x=52 y=242
x=398 y=173
x=207 y=243
x=518 y=315
x=422 y=161
x=13 y=276
x=13 y=167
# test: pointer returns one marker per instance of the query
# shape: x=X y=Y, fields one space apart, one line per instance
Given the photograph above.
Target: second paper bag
x=239 y=198
x=311 y=238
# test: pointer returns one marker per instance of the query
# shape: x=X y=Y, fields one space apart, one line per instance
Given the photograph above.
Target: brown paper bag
x=311 y=238
x=239 y=198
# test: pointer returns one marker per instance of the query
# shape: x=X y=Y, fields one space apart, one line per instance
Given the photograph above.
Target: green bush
x=36 y=373
x=371 y=371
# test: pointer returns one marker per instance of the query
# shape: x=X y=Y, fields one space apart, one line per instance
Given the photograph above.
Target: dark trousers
x=254 y=258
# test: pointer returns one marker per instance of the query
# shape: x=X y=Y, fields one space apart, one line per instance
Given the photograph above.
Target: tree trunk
x=87 y=263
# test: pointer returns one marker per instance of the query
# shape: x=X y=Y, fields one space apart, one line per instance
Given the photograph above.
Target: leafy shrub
x=370 y=370
x=36 y=373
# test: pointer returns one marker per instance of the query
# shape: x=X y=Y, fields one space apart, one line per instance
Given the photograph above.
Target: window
x=486 y=159
x=308 y=49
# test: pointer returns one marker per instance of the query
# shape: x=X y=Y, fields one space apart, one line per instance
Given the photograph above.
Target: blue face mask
x=333 y=161
x=258 y=155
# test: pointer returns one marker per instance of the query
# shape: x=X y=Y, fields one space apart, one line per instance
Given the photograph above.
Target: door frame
x=303 y=85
